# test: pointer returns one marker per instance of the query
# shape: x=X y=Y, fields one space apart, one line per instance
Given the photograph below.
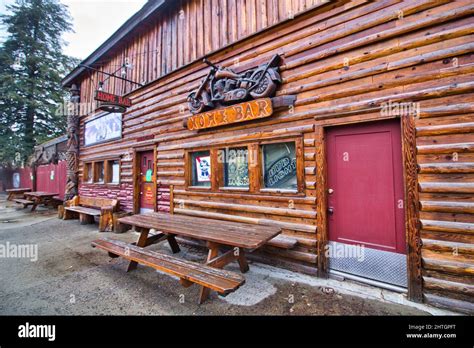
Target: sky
x=94 y=21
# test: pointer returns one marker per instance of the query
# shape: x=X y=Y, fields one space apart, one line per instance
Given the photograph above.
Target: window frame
x=255 y=167
x=85 y=173
x=299 y=167
x=95 y=173
x=108 y=174
x=189 y=170
x=221 y=168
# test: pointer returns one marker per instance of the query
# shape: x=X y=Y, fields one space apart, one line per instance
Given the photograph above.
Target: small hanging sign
x=112 y=99
x=111 y=102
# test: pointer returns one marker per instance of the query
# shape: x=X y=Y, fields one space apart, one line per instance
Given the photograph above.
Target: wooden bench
x=25 y=202
x=87 y=208
x=222 y=281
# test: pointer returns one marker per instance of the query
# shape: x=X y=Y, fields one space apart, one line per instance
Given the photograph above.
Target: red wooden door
x=147 y=196
x=366 y=180
x=365 y=200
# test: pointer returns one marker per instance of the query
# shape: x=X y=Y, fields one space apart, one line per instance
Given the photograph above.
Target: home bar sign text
x=247 y=111
x=112 y=99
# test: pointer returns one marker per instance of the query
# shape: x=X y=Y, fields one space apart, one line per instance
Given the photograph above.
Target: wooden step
x=222 y=281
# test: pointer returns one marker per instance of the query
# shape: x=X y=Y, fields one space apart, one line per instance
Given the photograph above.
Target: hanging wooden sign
x=252 y=110
x=112 y=99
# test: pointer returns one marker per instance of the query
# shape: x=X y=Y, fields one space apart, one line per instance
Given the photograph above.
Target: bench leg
x=213 y=253
x=36 y=202
x=106 y=221
x=68 y=215
x=60 y=211
x=142 y=240
x=86 y=219
x=243 y=264
x=173 y=244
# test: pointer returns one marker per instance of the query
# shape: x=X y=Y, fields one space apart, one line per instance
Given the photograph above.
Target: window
x=235 y=167
x=257 y=167
x=279 y=166
x=113 y=171
x=99 y=172
x=102 y=172
x=87 y=175
x=201 y=168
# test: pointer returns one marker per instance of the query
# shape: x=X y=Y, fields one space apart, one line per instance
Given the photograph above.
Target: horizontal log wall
x=342 y=60
x=183 y=32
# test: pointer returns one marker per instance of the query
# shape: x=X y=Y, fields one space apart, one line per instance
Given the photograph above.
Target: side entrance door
x=147 y=181
x=366 y=201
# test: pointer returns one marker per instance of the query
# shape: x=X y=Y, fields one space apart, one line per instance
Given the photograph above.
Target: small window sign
x=279 y=164
x=203 y=166
x=149 y=175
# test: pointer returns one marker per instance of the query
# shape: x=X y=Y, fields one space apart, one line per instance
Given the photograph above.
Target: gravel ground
x=71 y=278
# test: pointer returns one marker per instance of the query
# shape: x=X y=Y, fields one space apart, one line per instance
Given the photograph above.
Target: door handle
x=330 y=210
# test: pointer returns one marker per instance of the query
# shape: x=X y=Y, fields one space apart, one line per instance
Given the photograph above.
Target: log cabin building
x=360 y=132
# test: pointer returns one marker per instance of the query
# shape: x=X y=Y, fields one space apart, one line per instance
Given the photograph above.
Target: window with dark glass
x=236 y=167
x=201 y=168
x=279 y=166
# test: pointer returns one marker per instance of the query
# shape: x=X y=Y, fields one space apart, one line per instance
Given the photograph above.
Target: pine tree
x=32 y=64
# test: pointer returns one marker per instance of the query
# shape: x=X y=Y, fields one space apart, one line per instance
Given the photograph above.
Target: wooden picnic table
x=217 y=234
x=39 y=197
x=13 y=193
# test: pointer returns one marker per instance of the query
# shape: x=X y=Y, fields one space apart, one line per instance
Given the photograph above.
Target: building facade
x=363 y=156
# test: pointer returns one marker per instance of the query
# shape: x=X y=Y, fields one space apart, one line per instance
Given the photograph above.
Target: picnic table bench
x=16 y=193
x=226 y=241
x=36 y=198
x=87 y=208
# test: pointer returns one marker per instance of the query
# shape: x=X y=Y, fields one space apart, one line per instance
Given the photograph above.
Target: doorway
x=146 y=181
x=366 y=216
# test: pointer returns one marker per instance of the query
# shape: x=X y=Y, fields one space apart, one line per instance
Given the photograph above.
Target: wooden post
x=321 y=201
x=171 y=199
x=410 y=173
x=72 y=152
